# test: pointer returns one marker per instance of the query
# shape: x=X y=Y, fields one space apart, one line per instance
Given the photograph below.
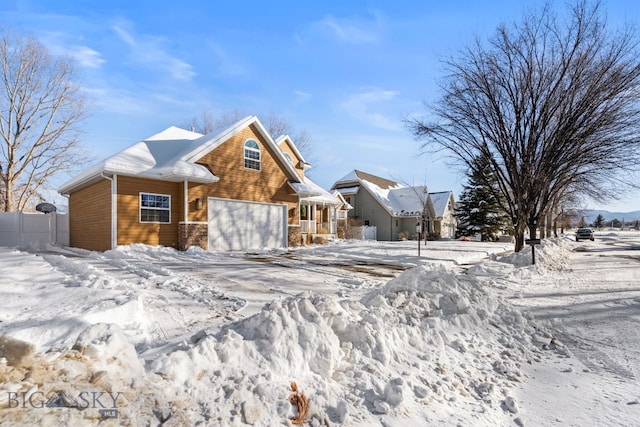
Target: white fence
x=19 y=228
x=370 y=232
x=362 y=232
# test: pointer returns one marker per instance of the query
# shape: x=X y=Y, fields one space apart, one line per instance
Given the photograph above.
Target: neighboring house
x=394 y=209
x=233 y=190
x=342 y=211
x=445 y=223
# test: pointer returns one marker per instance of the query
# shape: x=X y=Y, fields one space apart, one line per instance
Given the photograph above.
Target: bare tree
x=40 y=106
x=554 y=104
x=276 y=125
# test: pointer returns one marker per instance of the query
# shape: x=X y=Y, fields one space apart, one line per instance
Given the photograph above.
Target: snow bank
x=426 y=339
x=432 y=346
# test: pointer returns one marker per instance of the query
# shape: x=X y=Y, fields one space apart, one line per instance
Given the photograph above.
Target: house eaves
x=207 y=143
x=286 y=139
x=156 y=157
x=308 y=190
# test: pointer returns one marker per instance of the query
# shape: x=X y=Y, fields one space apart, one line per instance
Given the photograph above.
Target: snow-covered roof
x=340 y=197
x=348 y=190
x=157 y=157
x=440 y=202
x=351 y=176
x=170 y=155
x=357 y=176
x=408 y=201
x=309 y=191
x=397 y=199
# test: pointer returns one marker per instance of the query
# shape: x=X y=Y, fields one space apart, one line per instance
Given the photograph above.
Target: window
x=155 y=208
x=251 y=155
x=288 y=157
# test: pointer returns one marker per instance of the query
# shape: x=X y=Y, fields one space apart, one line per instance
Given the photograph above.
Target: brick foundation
x=295 y=235
x=193 y=235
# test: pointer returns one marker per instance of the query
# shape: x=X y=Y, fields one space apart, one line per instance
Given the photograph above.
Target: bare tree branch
x=276 y=125
x=554 y=104
x=41 y=105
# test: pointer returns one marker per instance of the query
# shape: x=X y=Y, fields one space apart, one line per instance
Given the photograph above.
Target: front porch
x=319 y=219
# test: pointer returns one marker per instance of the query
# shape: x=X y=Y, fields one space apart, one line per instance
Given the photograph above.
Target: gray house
x=394 y=209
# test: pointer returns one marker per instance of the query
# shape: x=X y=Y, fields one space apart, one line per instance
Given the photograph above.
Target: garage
x=238 y=225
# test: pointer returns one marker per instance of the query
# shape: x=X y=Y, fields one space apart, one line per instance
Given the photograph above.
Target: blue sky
x=346 y=72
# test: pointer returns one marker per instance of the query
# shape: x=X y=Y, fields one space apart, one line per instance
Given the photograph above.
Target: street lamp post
x=419 y=230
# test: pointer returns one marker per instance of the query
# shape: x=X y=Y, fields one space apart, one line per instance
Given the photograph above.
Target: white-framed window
x=288 y=157
x=251 y=155
x=155 y=208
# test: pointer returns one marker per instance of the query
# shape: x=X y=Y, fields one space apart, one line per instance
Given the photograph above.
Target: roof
x=357 y=176
x=408 y=201
x=286 y=139
x=171 y=155
x=309 y=191
x=340 y=197
x=348 y=190
x=396 y=198
x=440 y=202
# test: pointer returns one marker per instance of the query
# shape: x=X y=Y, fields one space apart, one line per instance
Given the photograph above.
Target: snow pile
x=432 y=346
x=551 y=254
x=426 y=339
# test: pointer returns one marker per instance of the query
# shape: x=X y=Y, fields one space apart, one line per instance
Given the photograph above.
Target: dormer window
x=288 y=157
x=251 y=155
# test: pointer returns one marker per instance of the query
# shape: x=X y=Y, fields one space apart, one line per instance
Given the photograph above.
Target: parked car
x=584 y=234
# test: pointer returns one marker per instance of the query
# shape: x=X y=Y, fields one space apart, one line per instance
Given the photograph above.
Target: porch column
x=186 y=203
x=114 y=211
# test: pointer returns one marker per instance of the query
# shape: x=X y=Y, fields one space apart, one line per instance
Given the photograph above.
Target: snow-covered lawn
x=466 y=334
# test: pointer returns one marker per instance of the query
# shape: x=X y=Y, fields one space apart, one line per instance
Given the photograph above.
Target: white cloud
x=87 y=57
x=301 y=96
x=226 y=64
x=124 y=35
x=58 y=44
x=363 y=106
x=353 y=31
x=151 y=52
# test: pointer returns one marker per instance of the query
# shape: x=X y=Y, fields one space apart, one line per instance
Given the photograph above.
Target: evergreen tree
x=479 y=209
x=599 y=222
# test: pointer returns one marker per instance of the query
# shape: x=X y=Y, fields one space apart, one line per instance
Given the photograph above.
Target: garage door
x=236 y=225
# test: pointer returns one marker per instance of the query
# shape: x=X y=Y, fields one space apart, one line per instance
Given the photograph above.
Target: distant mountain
x=591 y=214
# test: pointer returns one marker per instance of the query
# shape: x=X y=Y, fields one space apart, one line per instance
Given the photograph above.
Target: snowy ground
x=371 y=333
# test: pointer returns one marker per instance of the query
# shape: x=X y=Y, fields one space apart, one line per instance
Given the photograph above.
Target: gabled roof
x=338 y=195
x=409 y=201
x=357 y=176
x=286 y=139
x=440 y=201
x=395 y=198
x=171 y=155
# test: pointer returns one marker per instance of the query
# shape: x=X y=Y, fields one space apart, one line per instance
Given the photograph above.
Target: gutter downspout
x=114 y=208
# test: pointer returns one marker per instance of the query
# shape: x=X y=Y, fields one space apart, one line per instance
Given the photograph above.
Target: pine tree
x=479 y=210
x=599 y=222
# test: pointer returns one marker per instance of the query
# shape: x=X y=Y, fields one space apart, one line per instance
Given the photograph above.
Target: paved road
x=594 y=309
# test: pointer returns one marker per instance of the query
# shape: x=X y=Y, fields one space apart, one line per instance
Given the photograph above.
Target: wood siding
x=297 y=163
x=90 y=217
x=130 y=229
x=269 y=184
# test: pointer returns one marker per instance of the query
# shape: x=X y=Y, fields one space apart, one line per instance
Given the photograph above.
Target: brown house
x=234 y=190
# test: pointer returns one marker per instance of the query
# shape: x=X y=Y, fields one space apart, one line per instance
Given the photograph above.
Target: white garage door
x=236 y=225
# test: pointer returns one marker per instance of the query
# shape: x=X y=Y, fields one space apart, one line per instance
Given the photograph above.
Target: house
x=233 y=190
x=397 y=211
x=445 y=223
